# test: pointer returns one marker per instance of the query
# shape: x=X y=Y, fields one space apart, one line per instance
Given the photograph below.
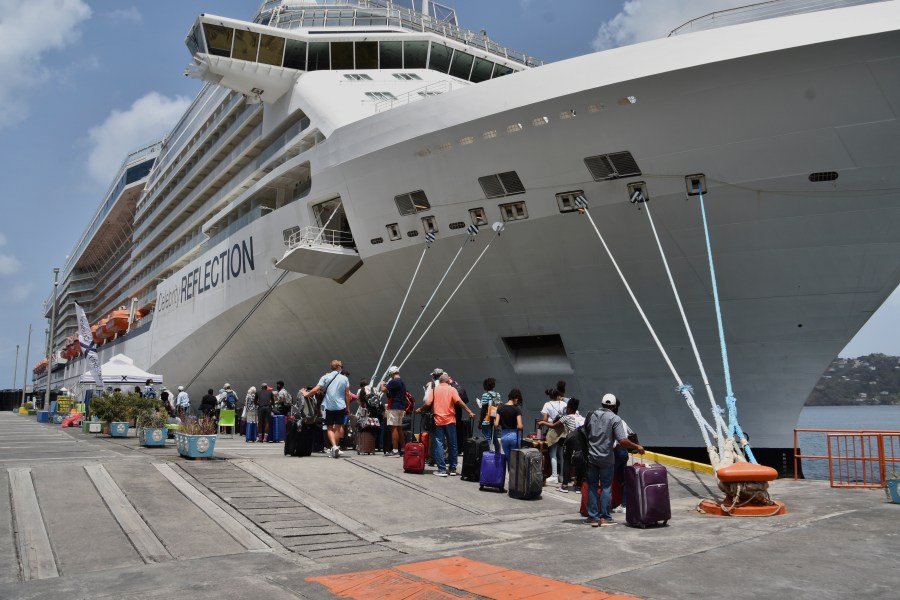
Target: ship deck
x=307 y=527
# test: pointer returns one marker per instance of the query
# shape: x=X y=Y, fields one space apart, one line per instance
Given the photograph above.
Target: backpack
x=410 y=403
x=230 y=399
x=461 y=391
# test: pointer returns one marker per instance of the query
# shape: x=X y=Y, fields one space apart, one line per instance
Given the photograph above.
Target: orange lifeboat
x=100 y=333
x=40 y=367
x=117 y=322
x=69 y=349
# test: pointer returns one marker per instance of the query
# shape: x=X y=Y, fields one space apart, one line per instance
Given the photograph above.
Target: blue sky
x=83 y=82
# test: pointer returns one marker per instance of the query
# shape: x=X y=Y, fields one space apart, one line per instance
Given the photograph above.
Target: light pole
x=25 y=371
x=50 y=338
x=16 y=368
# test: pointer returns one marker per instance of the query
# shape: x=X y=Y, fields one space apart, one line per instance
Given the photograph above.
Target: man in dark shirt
x=395 y=389
x=264 y=401
x=208 y=404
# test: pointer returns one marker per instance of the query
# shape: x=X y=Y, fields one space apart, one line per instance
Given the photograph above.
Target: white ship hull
x=801 y=265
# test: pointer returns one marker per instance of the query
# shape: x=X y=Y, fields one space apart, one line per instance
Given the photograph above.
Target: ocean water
x=843 y=417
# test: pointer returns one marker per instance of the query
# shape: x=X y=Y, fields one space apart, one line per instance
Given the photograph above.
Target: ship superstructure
x=287 y=212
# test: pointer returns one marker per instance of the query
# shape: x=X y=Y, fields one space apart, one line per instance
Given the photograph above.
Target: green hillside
x=867 y=380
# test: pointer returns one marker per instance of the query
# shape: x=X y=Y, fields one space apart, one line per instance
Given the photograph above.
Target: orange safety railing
x=856 y=458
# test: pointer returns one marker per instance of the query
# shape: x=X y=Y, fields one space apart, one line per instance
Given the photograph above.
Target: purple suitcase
x=493 y=470
x=647 y=495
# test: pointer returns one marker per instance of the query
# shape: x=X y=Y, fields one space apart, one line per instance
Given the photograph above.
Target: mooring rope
x=498 y=227
x=730 y=401
x=685 y=390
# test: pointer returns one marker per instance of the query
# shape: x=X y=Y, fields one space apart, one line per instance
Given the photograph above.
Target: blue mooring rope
x=730 y=400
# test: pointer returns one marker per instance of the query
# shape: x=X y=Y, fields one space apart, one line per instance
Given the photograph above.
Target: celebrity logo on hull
x=229 y=264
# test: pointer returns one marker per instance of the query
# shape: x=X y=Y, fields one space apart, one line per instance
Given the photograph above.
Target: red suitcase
x=414 y=456
x=615 y=501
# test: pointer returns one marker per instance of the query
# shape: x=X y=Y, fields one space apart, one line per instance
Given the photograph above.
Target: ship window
x=295 y=55
x=514 y=128
x=391 y=55
x=440 y=58
x=341 y=55
x=500 y=71
x=415 y=55
x=566 y=201
x=394 y=231
x=407 y=76
x=380 y=96
x=357 y=77
x=514 y=211
x=411 y=203
x=319 y=57
x=501 y=184
x=478 y=216
x=482 y=70
x=288 y=233
x=612 y=166
x=195 y=40
x=429 y=224
x=462 y=65
x=246 y=45
x=271 y=49
x=218 y=39
x=366 y=55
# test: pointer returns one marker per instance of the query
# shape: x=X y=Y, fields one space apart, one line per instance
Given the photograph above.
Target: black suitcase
x=290 y=438
x=526 y=475
x=305 y=440
x=473 y=449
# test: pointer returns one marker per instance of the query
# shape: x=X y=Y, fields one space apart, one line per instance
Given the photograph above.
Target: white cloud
x=130 y=14
x=9 y=264
x=642 y=20
x=19 y=293
x=148 y=119
x=29 y=30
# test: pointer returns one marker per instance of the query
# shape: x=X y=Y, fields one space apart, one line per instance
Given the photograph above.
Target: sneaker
x=563 y=489
x=619 y=509
x=453 y=473
x=338 y=452
x=552 y=479
x=592 y=522
x=395 y=453
x=440 y=473
x=607 y=522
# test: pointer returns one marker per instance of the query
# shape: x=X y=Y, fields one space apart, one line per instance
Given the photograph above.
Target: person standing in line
x=164 y=396
x=283 y=400
x=230 y=400
x=490 y=400
x=208 y=404
x=182 y=402
x=249 y=412
x=621 y=455
x=444 y=399
x=602 y=429
x=551 y=413
x=149 y=390
x=265 y=399
x=509 y=421
x=395 y=388
x=336 y=403
x=571 y=421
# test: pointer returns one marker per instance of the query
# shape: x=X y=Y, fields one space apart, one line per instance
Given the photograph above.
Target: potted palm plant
x=113 y=409
x=196 y=438
x=152 y=428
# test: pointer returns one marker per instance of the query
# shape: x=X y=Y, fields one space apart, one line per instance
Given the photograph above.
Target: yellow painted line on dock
x=672 y=461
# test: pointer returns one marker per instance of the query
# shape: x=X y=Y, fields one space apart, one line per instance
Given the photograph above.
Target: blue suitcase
x=278 y=432
x=493 y=470
x=251 y=431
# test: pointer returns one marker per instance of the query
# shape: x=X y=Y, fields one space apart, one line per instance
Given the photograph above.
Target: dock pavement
x=86 y=516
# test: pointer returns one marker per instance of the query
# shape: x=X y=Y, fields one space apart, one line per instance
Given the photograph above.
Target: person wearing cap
x=603 y=428
x=395 y=388
x=182 y=402
x=264 y=401
x=336 y=404
x=444 y=398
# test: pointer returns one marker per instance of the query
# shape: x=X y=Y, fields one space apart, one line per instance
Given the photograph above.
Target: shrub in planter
x=152 y=428
x=196 y=438
x=115 y=409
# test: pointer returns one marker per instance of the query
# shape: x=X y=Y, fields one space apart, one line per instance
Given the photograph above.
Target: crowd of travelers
x=591 y=447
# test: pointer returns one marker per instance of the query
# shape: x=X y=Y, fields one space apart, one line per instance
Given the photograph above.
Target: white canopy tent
x=121 y=370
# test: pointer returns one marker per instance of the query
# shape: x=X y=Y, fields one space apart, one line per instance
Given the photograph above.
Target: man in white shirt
x=182 y=402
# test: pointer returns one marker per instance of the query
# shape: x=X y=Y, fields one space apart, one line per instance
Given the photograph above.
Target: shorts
x=394 y=417
x=335 y=417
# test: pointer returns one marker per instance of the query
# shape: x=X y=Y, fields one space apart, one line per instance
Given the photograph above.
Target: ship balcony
x=329 y=253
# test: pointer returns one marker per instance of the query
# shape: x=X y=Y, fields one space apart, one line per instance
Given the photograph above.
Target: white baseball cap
x=180 y=388
x=608 y=400
x=393 y=369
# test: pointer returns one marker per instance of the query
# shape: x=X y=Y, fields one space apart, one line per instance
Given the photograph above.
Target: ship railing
x=856 y=458
x=761 y=12
x=315 y=237
x=432 y=89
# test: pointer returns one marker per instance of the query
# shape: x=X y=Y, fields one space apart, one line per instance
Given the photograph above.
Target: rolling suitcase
x=290 y=438
x=366 y=441
x=492 y=471
x=615 y=499
x=473 y=449
x=414 y=457
x=647 y=495
x=304 y=440
x=251 y=431
x=526 y=475
x=277 y=433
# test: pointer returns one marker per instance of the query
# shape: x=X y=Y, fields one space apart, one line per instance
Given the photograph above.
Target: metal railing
x=856 y=458
x=316 y=236
x=432 y=89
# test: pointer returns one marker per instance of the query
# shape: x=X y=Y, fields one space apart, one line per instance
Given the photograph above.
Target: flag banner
x=88 y=347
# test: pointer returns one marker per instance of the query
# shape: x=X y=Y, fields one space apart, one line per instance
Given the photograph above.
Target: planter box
x=154 y=436
x=118 y=429
x=893 y=490
x=58 y=419
x=93 y=426
x=195 y=446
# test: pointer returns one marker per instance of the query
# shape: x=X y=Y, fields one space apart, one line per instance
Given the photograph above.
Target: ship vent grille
x=411 y=203
x=501 y=184
x=823 y=176
x=612 y=166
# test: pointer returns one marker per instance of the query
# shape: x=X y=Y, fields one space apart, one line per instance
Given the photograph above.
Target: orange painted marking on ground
x=458 y=574
x=383 y=583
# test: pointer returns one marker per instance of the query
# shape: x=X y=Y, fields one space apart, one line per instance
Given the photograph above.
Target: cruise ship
x=318 y=199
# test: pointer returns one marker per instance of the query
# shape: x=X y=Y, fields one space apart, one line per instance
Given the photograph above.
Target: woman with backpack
x=490 y=400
